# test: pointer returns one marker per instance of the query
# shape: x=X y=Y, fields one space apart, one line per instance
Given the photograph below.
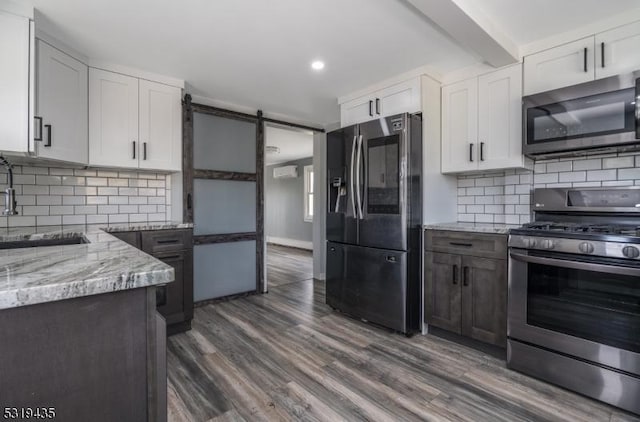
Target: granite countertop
x=473 y=227
x=105 y=264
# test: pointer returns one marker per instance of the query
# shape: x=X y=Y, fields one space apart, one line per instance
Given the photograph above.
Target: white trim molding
x=294 y=243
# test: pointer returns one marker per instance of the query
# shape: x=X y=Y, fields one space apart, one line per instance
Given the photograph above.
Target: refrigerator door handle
x=351 y=180
x=358 y=160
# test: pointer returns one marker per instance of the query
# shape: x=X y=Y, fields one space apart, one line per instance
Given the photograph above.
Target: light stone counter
x=105 y=264
x=473 y=227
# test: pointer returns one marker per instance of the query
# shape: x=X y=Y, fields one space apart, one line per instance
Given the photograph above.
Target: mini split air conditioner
x=286 y=172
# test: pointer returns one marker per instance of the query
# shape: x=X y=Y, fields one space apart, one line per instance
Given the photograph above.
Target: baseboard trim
x=301 y=244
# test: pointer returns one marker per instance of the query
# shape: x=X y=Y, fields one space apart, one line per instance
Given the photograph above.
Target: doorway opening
x=289 y=204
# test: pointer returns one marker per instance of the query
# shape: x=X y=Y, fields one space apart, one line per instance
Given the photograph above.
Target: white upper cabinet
x=459 y=126
x=604 y=54
x=16 y=78
x=565 y=65
x=113 y=119
x=620 y=48
x=133 y=122
x=61 y=106
x=160 y=126
x=399 y=98
x=482 y=122
x=356 y=111
x=500 y=119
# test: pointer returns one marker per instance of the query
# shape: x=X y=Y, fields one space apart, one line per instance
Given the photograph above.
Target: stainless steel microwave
x=603 y=114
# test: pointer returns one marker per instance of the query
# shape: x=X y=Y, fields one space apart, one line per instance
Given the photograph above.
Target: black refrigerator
x=374 y=221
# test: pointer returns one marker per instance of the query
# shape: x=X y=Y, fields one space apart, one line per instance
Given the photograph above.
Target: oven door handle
x=611 y=269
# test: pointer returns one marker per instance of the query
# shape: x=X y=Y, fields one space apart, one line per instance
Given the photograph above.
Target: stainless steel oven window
x=583 y=300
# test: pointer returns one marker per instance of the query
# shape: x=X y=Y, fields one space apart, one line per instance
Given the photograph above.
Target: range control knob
x=548 y=244
x=586 y=247
x=630 y=252
x=529 y=243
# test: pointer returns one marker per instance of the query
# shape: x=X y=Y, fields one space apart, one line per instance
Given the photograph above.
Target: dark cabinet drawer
x=132 y=238
x=466 y=243
x=159 y=241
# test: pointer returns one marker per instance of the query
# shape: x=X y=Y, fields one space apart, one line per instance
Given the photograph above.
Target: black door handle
x=371 y=108
x=144 y=150
x=378 y=106
x=481 y=151
x=585 y=60
x=465 y=276
x=466 y=245
x=48 y=143
x=471 y=152
x=602 y=54
x=39 y=137
x=189 y=201
x=134 y=150
x=455 y=274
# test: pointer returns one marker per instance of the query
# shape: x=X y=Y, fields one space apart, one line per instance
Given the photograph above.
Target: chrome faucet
x=9 y=192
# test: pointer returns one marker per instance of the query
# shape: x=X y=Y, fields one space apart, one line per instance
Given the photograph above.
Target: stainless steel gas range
x=574 y=293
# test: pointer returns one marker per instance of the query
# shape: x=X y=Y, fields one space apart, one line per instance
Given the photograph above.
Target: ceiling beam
x=467 y=24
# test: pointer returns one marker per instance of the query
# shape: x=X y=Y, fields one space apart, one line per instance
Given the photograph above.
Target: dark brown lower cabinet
x=93 y=358
x=173 y=247
x=464 y=293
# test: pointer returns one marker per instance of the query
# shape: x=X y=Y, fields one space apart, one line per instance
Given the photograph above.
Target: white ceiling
x=525 y=21
x=257 y=53
x=294 y=144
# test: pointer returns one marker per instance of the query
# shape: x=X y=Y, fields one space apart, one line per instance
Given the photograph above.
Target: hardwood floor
x=288 y=265
x=287 y=356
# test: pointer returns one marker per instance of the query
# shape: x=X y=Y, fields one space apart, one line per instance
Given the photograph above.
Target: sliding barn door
x=224 y=199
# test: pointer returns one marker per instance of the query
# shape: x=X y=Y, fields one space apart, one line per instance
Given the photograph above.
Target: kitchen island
x=79 y=329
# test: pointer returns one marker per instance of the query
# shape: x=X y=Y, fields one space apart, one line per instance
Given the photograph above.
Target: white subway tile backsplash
x=600 y=175
x=50 y=195
x=508 y=198
x=617 y=162
x=590 y=164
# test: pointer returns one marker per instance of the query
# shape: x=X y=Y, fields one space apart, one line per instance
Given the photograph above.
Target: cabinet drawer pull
x=602 y=54
x=465 y=276
x=371 y=108
x=481 y=151
x=471 y=152
x=134 y=150
x=49 y=136
x=455 y=274
x=163 y=258
x=167 y=242
x=144 y=150
x=585 y=60
x=39 y=126
x=466 y=245
x=378 y=106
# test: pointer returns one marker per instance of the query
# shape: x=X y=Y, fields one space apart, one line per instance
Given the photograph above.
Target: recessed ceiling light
x=317 y=65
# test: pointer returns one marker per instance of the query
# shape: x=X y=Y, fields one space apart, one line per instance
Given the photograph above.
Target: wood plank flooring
x=288 y=265
x=287 y=356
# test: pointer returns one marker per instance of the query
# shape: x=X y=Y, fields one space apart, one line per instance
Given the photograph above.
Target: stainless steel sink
x=17 y=244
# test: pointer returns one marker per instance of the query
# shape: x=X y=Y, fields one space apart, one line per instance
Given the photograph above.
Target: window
x=308 y=193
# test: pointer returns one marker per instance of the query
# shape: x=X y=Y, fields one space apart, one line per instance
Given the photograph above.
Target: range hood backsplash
x=504 y=197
